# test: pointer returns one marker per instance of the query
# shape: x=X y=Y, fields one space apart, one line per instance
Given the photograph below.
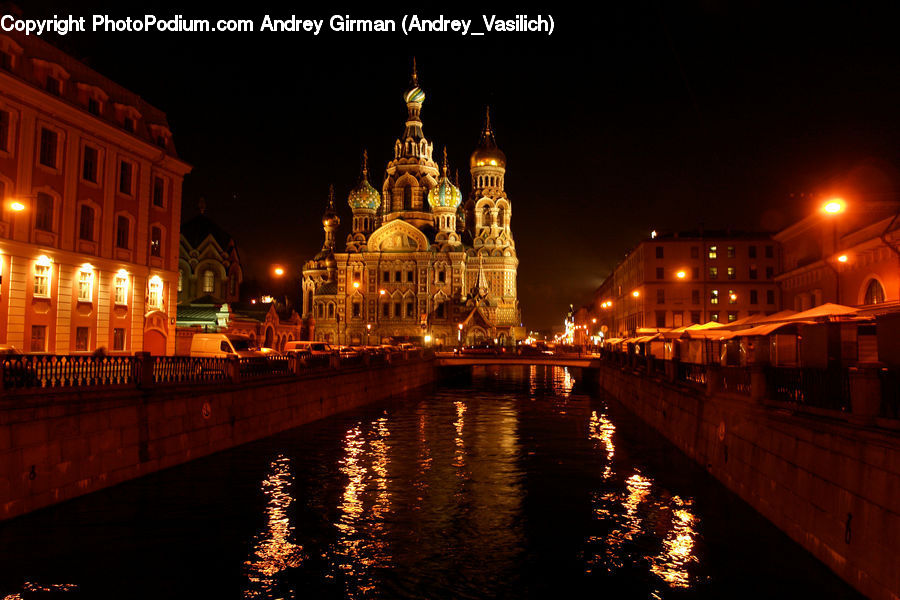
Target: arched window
x=486 y=216
x=874 y=293
x=209 y=281
x=407 y=197
x=501 y=215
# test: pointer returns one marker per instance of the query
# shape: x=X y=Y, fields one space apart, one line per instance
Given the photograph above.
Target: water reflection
x=273 y=551
x=32 y=588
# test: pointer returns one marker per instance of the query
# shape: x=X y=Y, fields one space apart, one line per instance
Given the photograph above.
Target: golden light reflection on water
x=361 y=545
x=273 y=552
x=637 y=514
x=459 y=459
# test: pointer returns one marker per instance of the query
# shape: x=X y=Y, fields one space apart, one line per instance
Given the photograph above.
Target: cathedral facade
x=421 y=263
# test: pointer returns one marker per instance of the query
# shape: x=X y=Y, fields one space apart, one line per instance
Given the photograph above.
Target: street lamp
x=16 y=206
x=834 y=206
x=635 y=293
x=279 y=271
x=680 y=274
x=842 y=258
x=368 y=331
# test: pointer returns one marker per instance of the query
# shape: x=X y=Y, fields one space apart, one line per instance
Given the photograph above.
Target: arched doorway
x=477 y=335
x=270 y=333
x=155 y=342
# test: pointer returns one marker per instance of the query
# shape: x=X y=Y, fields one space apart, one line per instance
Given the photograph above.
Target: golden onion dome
x=487 y=154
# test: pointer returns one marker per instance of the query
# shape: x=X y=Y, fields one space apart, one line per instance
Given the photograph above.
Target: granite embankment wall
x=56 y=446
x=831 y=484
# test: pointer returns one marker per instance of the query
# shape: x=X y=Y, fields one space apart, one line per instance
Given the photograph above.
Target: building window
x=659 y=252
x=695 y=296
x=90 y=164
x=731 y=273
x=85 y=286
x=409 y=310
x=6 y=60
x=121 y=289
x=159 y=191
x=770 y=296
x=732 y=297
x=770 y=272
x=770 y=252
x=440 y=310
x=155 y=241
x=125 y=176
x=730 y=251
x=442 y=276
x=732 y=316
x=43 y=216
x=751 y=251
x=754 y=297
x=695 y=272
x=386 y=276
x=86 y=223
x=54 y=85
x=357 y=310
x=128 y=124
x=118 y=339
x=753 y=273
x=82 y=337
x=714 y=317
x=660 y=318
x=660 y=272
x=122 y=233
x=4 y=130
x=398 y=276
x=660 y=296
x=386 y=310
x=38 y=338
x=874 y=293
x=409 y=276
x=42 y=281
x=209 y=281
x=93 y=106
x=49 y=143
x=331 y=311
x=154 y=296
x=713 y=252
x=714 y=272
x=695 y=316
x=695 y=252
x=714 y=297
x=398 y=310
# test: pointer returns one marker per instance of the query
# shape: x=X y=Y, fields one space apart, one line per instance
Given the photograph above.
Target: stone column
x=143 y=364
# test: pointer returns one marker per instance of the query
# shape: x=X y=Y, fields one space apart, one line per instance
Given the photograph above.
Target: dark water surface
x=512 y=482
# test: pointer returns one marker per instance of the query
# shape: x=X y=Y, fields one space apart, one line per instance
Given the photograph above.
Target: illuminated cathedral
x=421 y=263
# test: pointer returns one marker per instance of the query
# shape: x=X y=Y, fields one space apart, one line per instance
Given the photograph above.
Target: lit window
x=38 y=338
x=82 y=339
x=85 y=285
x=714 y=272
x=42 y=280
x=732 y=297
x=155 y=241
x=732 y=273
x=730 y=251
x=713 y=252
x=121 y=288
x=714 y=297
x=154 y=297
x=209 y=282
x=732 y=316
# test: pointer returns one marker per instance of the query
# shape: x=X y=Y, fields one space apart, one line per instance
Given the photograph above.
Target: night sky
x=655 y=116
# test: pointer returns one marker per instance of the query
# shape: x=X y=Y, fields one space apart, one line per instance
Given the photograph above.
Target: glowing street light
x=279 y=271
x=842 y=258
x=834 y=206
x=16 y=206
x=733 y=297
x=356 y=285
x=680 y=274
x=635 y=293
x=594 y=320
x=381 y=292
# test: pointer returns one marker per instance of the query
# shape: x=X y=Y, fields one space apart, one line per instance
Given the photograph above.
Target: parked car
x=309 y=348
x=270 y=352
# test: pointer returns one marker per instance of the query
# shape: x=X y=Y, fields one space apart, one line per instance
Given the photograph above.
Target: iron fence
x=691 y=373
x=735 y=380
x=185 y=369
x=822 y=388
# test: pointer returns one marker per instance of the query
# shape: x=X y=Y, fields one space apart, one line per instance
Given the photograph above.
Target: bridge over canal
x=452 y=359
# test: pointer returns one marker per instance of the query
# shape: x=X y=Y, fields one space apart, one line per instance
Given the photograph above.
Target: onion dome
x=487 y=154
x=415 y=94
x=364 y=196
x=330 y=217
x=444 y=194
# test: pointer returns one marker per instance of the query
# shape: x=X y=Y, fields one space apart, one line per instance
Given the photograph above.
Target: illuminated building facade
x=420 y=263
x=850 y=257
x=91 y=200
x=209 y=266
x=673 y=280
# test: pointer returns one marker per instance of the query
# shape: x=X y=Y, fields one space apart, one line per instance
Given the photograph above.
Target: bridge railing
x=20 y=371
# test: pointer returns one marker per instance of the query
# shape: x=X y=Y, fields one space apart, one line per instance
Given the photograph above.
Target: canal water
x=505 y=482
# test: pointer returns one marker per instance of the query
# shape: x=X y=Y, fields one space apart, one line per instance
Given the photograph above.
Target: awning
x=824 y=311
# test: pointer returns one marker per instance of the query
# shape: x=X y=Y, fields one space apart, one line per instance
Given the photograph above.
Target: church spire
x=330 y=222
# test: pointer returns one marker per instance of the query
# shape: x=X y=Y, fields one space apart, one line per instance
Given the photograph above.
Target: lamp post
x=831 y=209
x=368 y=331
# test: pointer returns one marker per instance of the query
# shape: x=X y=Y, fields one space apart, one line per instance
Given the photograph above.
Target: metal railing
x=694 y=373
x=184 y=369
x=52 y=371
x=822 y=388
x=735 y=380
